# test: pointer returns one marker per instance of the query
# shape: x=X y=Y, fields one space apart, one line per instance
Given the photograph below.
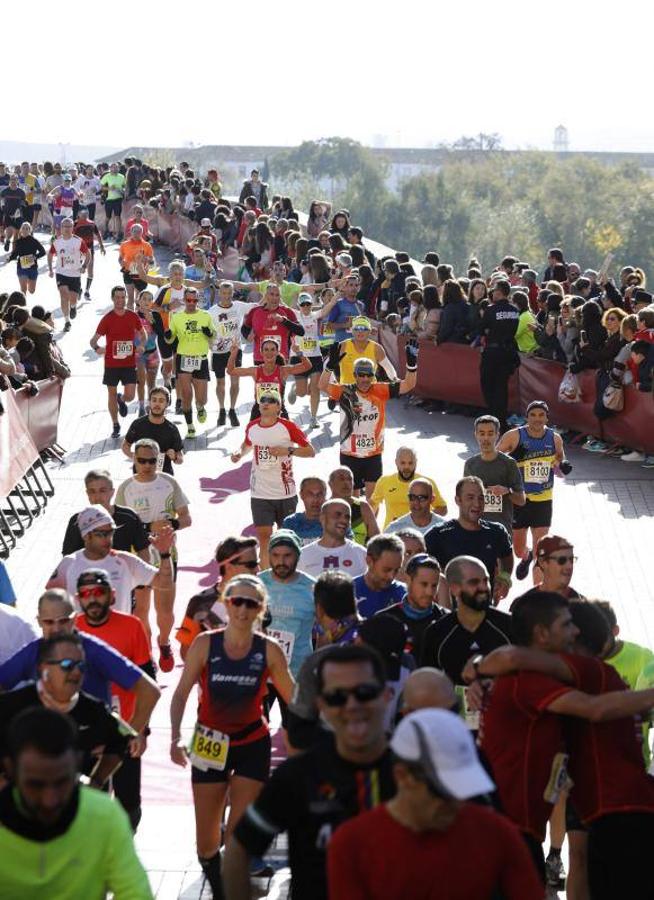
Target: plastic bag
x=613 y=397
x=569 y=390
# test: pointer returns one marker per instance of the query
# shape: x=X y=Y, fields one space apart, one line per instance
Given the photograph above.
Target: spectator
x=454 y=322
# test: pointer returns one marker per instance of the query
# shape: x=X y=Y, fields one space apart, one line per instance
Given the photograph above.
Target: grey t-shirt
x=502 y=470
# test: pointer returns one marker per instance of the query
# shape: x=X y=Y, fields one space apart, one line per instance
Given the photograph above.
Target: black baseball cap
x=93 y=576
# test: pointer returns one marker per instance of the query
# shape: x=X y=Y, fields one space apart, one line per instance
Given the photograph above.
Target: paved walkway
x=605 y=507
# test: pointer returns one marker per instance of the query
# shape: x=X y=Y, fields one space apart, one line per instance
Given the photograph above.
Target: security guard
x=499 y=359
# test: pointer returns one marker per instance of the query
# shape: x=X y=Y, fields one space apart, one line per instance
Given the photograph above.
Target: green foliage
x=485 y=204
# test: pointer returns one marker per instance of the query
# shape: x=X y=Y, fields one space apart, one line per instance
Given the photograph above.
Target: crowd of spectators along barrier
x=534 y=379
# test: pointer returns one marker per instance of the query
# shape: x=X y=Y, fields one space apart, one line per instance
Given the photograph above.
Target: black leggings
x=619 y=856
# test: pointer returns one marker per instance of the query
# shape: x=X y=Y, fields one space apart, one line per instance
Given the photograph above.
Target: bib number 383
x=208 y=748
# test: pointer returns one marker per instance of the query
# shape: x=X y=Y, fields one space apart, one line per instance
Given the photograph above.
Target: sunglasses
x=362 y=693
x=562 y=560
x=418 y=496
x=248 y=602
x=96 y=591
x=364 y=374
x=67 y=665
x=268 y=400
x=146 y=460
x=104 y=534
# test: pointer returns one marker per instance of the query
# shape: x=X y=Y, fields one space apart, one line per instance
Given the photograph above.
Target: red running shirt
x=120 y=332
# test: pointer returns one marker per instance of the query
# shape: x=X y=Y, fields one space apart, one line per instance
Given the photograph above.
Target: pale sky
x=418 y=72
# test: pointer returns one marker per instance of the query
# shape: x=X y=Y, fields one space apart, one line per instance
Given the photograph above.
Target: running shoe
x=554 y=871
x=122 y=406
x=259 y=868
x=115 y=431
x=313 y=423
x=522 y=569
x=595 y=446
x=166 y=658
x=67 y=326
x=73 y=312
x=233 y=418
x=648 y=462
x=222 y=418
x=634 y=456
x=202 y=414
x=292 y=393
x=190 y=431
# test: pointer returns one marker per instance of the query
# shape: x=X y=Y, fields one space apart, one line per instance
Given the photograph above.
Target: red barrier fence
x=41 y=413
x=450 y=372
x=17 y=449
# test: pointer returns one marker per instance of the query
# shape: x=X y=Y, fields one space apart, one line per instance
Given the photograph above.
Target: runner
x=395 y=850
x=88 y=231
x=363 y=522
x=270 y=375
x=83 y=828
x=206 y=610
x=73 y=258
x=270 y=321
x=419 y=608
x=227 y=315
x=192 y=329
x=334 y=550
x=420 y=516
x=306 y=525
x=274 y=441
x=377 y=587
x=393 y=490
x=137 y=218
x=63 y=199
x=537 y=449
x=113 y=189
x=27 y=251
x=125 y=571
x=120 y=328
x=363 y=415
x=28 y=183
x=346 y=310
x=37 y=198
x=311 y=794
x=310 y=347
x=14 y=202
x=289 y=291
x=129 y=260
x=501 y=477
x=88 y=187
x=158 y=428
x=361 y=345
x=125 y=633
x=471 y=535
x=159 y=502
x=169 y=299
x=231 y=742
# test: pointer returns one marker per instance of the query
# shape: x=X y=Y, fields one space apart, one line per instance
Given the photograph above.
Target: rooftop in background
x=424 y=156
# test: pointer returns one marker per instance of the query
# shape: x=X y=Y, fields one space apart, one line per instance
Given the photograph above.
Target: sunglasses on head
x=67 y=665
x=92 y=591
x=362 y=693
x=418 y=496
x=562 y=560
x=248 y=602
x=146 y=460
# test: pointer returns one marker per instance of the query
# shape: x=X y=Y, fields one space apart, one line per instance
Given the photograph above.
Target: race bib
x=264 y=458
x=191 y=363
x=537 y=471
x=160 y=462
x=492 y=503
x=363 y=442
x=27 y=262
x=286 y=639
x=559 y=779
x=208 y=748
x=123 y=349
x=471 y=716
x=264 y=387
x=66 y=212
x=309 y=345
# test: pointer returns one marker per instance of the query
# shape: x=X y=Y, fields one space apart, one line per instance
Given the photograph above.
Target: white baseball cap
x=439 y=742
x=93 y=517
x=205 y=223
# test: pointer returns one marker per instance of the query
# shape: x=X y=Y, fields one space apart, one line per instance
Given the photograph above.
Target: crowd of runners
x=441 y=741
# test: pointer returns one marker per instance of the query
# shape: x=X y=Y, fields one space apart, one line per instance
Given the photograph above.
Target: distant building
x=561 y=139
